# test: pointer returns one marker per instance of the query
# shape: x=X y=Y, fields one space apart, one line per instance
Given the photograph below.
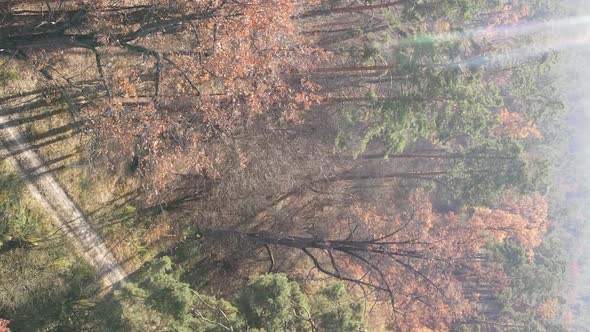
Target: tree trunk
x=351 y=69
x=351 y=9
x=48 y=41
x=376 y=176
x=433 y=156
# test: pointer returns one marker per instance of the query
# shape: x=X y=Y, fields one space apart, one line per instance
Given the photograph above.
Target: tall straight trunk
x=350 y=176
x=294 y=242
x=492 y=323
x=326 y=31
x=338 y=100
x=351 y=9
x=300 y=242
x=167 y=24
x=377 y=176
x=40 y=21
x=349 y=69
x=48 y=41
x=58 y=40
x=351 y=34
x=433 y=156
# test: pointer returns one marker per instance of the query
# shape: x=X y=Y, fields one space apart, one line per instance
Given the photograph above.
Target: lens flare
x=556 y=35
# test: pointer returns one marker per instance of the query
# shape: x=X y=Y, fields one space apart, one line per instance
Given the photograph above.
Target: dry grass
x=42 y=113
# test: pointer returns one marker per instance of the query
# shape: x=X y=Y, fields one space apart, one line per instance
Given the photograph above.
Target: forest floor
x=58 y=205
x=52 y=147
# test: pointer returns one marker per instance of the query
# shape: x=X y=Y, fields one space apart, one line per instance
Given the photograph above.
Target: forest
x=294 y=165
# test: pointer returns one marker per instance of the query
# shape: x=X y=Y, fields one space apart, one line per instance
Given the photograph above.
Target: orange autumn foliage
x=428 y=292
x=516 y=125
x=548 y=309
x=222 y=72
x=435 y=263
x=521 y=219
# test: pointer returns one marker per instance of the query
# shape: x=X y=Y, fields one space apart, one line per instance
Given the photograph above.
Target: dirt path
x=58 y=204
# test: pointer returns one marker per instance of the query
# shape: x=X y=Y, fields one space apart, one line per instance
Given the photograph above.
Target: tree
x=269 y=302
x=523 y=220
x=428 y=205
x=464 y=175
x=453 y=9
x=416 y=261
x=158 y=301
x=235 y=63
x=433 y=100
x=273 y=303
x=516 y=125
x=334 y=310
x=532 y=299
